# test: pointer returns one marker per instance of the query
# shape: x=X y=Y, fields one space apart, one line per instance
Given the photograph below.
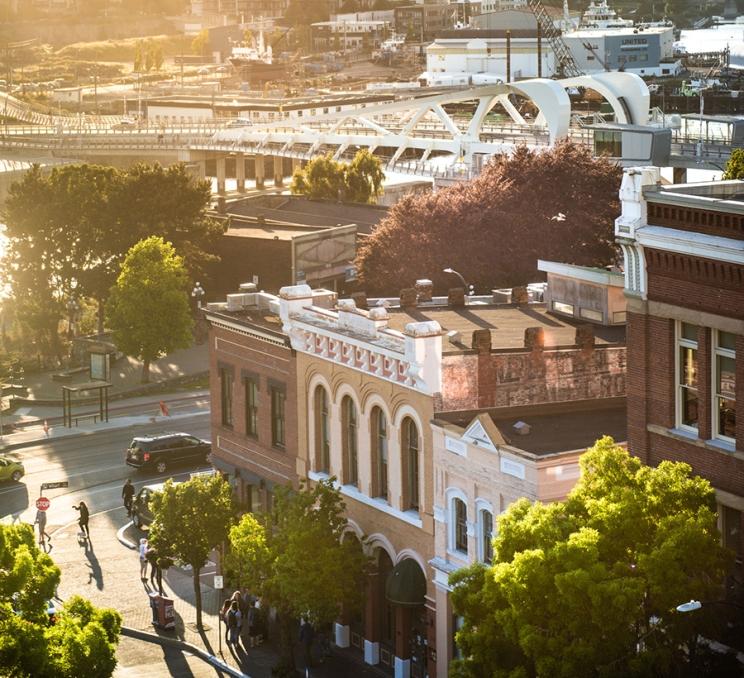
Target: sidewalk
x=107 y=573
x=34 y=432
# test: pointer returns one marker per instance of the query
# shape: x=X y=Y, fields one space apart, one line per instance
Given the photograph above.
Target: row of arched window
x=458 y=538
x=379 y=446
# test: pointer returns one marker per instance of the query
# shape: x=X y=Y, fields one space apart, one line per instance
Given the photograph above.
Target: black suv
x=161 y=452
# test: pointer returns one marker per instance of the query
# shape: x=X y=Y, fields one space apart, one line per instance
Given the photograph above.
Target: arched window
x=410 y=464
x=379 y=446
x=350 y=425
x=322 y=431
x=459 y=525
x=485 y=536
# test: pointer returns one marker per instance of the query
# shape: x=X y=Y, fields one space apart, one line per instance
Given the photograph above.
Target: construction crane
x=566 y=65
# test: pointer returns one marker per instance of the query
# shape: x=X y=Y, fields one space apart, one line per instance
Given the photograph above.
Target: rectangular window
x=461 y=526
x=277 y=417
x=487 y=536
x=591 y=314
x=724 y=385
x=687 y=376
x=226 y=398
x=251 y=408
x=561 y=307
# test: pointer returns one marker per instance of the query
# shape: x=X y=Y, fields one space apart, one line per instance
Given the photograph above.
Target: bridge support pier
x=240 y=171
x=296 y=164
x=221 y=175
x=260 y=171
x=201 y=169
x=278 y=163
x=679 y=175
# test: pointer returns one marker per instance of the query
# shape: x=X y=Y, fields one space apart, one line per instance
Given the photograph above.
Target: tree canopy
x=558 y=204
x=735 y=165
x=298 y=559
x=190 y=519
x=589 y=586
x=83 y=639
x=148 y=308
x=71 y=228
x=324 y=178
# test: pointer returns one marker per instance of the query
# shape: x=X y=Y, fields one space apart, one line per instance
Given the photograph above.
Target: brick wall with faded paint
x=501 y=379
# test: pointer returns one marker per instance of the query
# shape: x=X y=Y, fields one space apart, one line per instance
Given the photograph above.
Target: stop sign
x=42 y=503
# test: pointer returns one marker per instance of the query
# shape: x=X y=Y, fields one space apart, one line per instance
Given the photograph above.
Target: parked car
x=11 y=469
x=125 y=124
x=141 y=509
x=166 y=450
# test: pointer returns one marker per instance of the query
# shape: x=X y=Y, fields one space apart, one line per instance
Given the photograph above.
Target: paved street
x=106 y=570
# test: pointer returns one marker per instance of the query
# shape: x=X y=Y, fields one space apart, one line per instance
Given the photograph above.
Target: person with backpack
x=234 y=622
x=127 y=494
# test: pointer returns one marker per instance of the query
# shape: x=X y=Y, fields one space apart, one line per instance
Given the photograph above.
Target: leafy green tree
x=81 y=642
x=139 y=57
x=148 y=309
x=324 y=178
x=307 y=12
x=588 y=586
x=298 y=560
x=735 y=165
x=74 y=226
x=190 y=520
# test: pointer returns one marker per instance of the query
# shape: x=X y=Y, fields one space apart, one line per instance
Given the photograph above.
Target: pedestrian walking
x=143 y=558
x=234 y=623
x=152 y=557
x=223 y=616
x=41 y=521
x=83 y=519
x=307 y=635
x=127 y=494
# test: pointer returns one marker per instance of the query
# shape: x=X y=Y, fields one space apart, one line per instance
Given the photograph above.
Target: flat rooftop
x=506 y=322
x=272 y=230
x=725 y=196
x=554 y=428
x=317 y=213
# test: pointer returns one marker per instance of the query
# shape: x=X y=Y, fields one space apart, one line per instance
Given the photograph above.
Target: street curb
x=113 y=425
x=184 y=646
x=122 y=539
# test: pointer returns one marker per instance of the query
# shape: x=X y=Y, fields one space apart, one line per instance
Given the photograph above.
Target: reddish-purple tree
x=559 y=204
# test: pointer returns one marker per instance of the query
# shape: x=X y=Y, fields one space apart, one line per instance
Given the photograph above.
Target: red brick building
x=684 y=268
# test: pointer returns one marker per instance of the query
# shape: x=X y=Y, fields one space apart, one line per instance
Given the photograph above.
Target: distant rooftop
x=726 y=196
x=554 y=428
x=506 y=322
x=318 y=213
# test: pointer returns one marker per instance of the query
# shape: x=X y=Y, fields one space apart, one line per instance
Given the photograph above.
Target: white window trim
x=680 y=342
x=452 y=494
x=481 y=506
x=716 y=351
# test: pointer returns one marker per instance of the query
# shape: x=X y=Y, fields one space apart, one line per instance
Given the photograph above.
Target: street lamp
x=468 y=288
x=197 y=293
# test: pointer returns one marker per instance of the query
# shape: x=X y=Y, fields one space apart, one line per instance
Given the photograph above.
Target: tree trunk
x=197 y=598
x=286 y=643
x=145 y=372
x=101 y=313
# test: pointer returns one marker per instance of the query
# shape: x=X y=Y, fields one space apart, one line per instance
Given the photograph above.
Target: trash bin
x=163 y=613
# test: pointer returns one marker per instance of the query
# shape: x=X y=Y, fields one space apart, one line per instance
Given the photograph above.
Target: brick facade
x=269 y=364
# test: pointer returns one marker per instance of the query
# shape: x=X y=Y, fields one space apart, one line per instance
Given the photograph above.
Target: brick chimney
x=534 y=338
x=585 y=337
x=456 y=297
x=520 y=296
x=408 y=297
x=424 y=289
x=482 y=340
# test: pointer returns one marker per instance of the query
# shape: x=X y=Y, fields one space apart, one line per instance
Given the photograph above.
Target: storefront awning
x=406 y=584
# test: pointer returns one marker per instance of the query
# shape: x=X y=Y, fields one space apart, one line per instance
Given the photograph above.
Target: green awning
x=406 y=584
